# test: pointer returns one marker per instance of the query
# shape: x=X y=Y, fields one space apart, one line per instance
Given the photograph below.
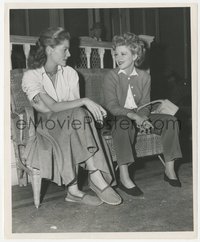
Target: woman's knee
x=168 y=122
x=81 y=117
x=171 y=122
x=164 y=120
x=81 y=112
x=170 y=117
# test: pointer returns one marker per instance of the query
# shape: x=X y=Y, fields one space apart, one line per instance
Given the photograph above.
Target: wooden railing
x=25 y=41
x=94 y=52
x=91 y=52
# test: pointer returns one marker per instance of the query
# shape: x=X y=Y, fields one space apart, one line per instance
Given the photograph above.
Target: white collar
x=43 y=70
x=133 y=73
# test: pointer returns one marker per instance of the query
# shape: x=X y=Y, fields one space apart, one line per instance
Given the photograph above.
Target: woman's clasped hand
x=97 y=111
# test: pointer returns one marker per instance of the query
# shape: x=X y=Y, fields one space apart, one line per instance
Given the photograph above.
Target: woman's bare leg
x=96 y=177
x=73 y=189
x=98 y=184
x=169 y=170
x=124 y=176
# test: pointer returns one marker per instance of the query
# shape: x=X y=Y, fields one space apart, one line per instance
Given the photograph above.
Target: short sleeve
x=31 y=84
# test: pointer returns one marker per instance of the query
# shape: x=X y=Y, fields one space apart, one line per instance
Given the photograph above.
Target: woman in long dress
x=66 y=136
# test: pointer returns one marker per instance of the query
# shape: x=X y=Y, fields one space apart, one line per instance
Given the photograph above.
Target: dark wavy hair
x=50 y=37
x=134 y=43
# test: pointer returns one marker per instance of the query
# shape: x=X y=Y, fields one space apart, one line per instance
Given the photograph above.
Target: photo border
x=7 y=146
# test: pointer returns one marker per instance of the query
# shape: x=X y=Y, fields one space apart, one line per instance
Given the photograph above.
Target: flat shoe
x=107 y=195
x=172 y=182
x=85 y=199
x=134 y=191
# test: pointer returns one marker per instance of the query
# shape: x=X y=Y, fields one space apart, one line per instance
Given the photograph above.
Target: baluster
x=26 y=48
x=88 y=54
x=11 y=45
x=101 y=52
x=113 y=57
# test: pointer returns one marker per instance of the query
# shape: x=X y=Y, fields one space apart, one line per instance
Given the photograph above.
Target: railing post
x=26 y=48
x=101 y=52
x=113 y=57
x=88 y=54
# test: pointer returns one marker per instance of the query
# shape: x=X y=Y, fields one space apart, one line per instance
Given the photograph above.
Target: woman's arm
x=140 y=120
x=141 y=116
x=39 y=105
x=54 y=106
x=44 y=103
x=145 y=95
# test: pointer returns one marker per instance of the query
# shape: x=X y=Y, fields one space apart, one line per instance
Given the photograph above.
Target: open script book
x=165 y=107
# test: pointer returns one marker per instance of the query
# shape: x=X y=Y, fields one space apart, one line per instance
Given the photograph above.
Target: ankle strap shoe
x=107 y=195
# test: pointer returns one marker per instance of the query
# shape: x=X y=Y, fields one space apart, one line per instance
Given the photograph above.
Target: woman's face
x=125 y=59
x=60 y=53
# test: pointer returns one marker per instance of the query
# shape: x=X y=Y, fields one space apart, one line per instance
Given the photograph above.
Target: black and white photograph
x=102 y=132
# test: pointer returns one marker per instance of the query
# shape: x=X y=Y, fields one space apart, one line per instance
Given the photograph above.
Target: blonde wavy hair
x=134 y=43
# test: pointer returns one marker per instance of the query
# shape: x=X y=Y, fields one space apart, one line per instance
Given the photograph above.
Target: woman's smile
x=120 y=63
x=125 y=58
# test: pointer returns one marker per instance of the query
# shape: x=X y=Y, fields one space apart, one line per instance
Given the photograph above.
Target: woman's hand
x=140 y=121
x=97 y=111
x=143 y=121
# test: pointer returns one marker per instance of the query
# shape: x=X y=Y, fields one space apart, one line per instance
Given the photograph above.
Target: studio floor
x=162 y=208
